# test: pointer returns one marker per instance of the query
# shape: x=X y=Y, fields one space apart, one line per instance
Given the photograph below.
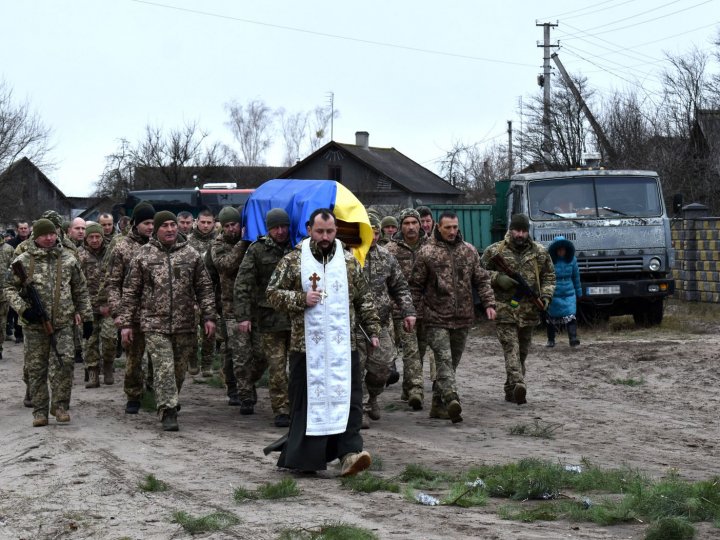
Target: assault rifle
x=37 y=305
x=522 y=286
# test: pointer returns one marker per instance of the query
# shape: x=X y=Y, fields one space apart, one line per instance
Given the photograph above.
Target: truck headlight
x=654 y=264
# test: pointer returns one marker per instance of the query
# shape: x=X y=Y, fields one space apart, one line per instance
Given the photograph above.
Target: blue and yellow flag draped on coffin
x=299 y=198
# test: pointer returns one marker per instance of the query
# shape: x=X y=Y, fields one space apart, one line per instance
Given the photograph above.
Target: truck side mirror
x=677 y=203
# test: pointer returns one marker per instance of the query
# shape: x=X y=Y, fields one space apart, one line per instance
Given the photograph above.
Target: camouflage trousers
x=447 y=345
x=102 y=342
x=4 y=306
x=169 y=354
x=226 y=353
x=410 y=343
x=42 y=367
x=515 y=341
x=134 y=377
x=249 y=362
x=374 y=364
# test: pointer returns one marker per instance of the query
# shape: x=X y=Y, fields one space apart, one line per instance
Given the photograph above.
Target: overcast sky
x=418 y=75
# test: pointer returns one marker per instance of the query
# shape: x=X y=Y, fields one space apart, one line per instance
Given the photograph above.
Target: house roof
x=26 y=163
x=708 y=122
x=388 y=162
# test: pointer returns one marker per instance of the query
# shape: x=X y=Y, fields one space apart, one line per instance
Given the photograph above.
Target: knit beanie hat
x=53 y=217
x=519 y=222
x=409 y=212
x=142 y=212
x=43 y=226
x=94 y=228
x=276 y=218
x=228 y=215
x=387 y=221
x=163 y=216
x=374 y=221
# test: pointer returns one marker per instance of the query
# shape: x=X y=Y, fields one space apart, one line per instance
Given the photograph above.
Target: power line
x=563 y=15
x=332 y=36
x=576 y=52
x=595 y=44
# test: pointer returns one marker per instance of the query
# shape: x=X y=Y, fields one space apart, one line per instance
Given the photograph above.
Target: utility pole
x=510 y=159
x=331 y=99
x=544 y=81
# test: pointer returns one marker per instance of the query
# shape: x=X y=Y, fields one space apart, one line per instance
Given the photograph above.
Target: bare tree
x=294 y=128
x=252 y=127
x=475 y=170
x=22 y=133
x=319 y=122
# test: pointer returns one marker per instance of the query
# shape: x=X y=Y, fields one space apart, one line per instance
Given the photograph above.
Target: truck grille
x=550 y=236
x=610 y=264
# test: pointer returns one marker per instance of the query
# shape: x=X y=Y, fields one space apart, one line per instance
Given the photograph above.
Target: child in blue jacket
x=563 y=307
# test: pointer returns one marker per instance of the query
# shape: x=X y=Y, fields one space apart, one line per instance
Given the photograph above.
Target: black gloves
x=87 y=329
x=32 y=315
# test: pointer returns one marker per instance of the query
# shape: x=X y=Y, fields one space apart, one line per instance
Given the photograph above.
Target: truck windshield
x=599 y=197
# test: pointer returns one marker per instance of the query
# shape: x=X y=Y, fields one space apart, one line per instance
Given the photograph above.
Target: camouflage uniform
x=413 y=343
x=6 y=257
x=118 y=266
x=389 y=289
x=201 y=243
x=442 y=282
x=63 y=294
x=161 y=289
x=102 y=342
x=225 y=256
x=273 y=326
x=514 y=326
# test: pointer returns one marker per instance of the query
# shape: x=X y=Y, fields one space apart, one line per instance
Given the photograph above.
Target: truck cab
x=621 y=231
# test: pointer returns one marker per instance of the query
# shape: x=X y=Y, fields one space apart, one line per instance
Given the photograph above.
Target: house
x=377 y=176
x=25 y=193
x=706 y=136
x=191 y=177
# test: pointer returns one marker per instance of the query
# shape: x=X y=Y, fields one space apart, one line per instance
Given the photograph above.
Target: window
x=335 y=173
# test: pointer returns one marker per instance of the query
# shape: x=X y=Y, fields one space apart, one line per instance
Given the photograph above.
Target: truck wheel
x=649 y=313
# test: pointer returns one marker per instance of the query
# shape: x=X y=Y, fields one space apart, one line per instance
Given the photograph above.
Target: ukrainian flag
x=299 y=198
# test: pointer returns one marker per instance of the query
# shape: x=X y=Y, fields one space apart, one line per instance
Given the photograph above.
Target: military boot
x=519 y=393
x=169 y=419
x=454 y=411
x=40 y=420
x=27 y=400
x=109 y=372
x=365 y=421
x=374 y=408
x=415 y=400
x=438 y=409
x=60 y=414
x=93 y=377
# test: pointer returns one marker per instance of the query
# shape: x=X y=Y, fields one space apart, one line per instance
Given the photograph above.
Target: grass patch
x=390 y=407
x=216 y=521
x=264 y=380
x=419 y=477
x=465 y=494
x=147 y=402
x=629 y=382
x=670 y=528
x=287 y=487
x=329 y=531
x=366 y=482
x=151 y=483
x=541 y=430
x=377 y=463
x=119 y=363
x=215 y=381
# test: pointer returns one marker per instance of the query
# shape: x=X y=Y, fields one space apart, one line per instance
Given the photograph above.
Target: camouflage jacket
x=535 y=265
x=7 y=254
x=163 y=285
x=61 y=303
x=405 y=255
x=252 y=280
x=118 y=266
x=285 y=293
x=226 y=257
x=92 y=264
x=201 y=242
x=63 y=240
x=442 y=282
x=388 y=284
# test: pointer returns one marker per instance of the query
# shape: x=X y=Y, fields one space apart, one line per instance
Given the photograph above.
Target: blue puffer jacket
x=567 y=287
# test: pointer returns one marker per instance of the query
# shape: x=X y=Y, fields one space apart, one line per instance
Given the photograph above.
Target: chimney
x=362 y=138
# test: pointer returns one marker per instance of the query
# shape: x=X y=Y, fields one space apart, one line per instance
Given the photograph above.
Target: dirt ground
x=81 y=480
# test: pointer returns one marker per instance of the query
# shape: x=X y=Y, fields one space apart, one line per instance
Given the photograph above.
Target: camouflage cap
x=374 y=220
x=409 y=212
x=54 y=217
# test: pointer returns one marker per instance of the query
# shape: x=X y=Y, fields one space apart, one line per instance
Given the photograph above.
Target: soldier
x=404 y=247
x=165 y=281
x=388 y=287
x=273 y=326
x=107 y=223
x=185 y=223
x=388 y=227
x=445 y=271
x=102 y=342
x=76 y=231
x=200 y=239
x=118 y=266
x=322 y=288
x=226 y=253
x=60 y=285
x=6 y=256
x=517 y=314
x=426 y=219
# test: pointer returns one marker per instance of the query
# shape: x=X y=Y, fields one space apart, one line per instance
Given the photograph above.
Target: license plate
x=612 y=289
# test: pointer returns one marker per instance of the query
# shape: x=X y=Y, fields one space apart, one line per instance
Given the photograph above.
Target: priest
x=323 y=289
